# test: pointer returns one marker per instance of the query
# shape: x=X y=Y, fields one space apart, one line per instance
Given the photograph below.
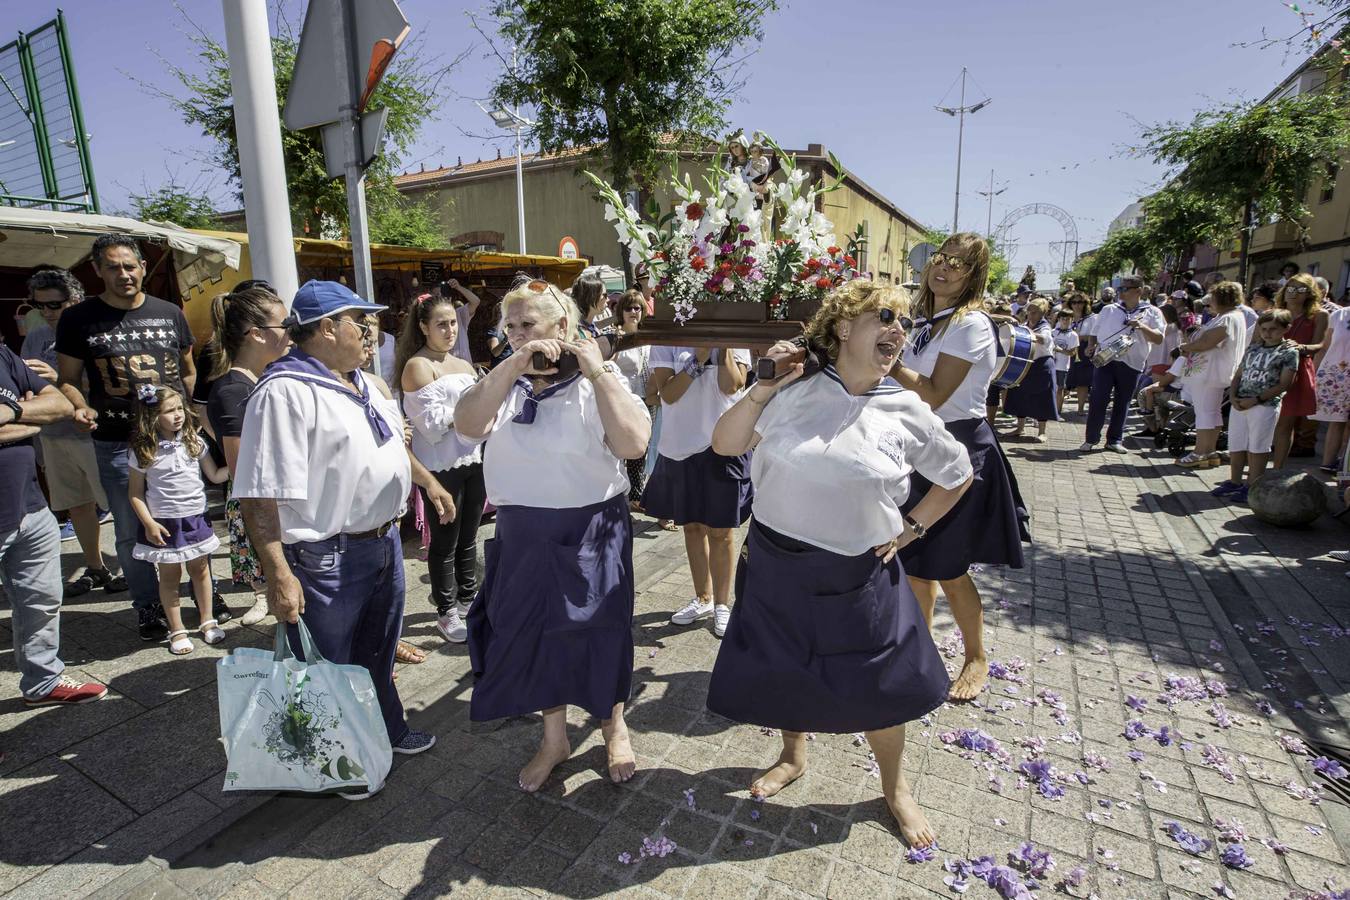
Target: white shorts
x=1252 y=430
x=71 y=472
x=1208 y=403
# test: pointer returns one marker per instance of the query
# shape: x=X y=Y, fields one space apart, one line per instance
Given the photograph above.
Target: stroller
x=1175 y=422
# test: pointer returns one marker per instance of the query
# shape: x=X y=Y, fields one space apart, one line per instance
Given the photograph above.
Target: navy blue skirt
x=553 y=622
x=1034 y=398
x=823 y=642
x=1080 y=370
x=705 y=489
x=987 y=525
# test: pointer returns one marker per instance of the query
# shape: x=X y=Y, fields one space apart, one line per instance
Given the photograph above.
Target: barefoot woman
x=552 y=624
x=950 y=363
x=826 y=635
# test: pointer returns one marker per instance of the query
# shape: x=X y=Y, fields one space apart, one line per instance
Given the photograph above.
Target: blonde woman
x=1303 y=298
x=552 y=625
x=826 y=634
x=950 y=363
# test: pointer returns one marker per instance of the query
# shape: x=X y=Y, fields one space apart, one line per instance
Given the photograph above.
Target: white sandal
x=179 y=642
x=211 y=632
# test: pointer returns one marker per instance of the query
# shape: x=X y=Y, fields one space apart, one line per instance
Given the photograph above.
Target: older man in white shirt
x=322 y=479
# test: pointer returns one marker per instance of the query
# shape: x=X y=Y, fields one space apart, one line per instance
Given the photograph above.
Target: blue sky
x=1069 y=80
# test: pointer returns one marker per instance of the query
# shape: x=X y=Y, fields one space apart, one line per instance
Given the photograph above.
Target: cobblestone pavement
x=1137 y=577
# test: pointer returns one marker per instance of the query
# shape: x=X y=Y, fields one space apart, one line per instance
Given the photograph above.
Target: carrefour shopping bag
x=292 y=725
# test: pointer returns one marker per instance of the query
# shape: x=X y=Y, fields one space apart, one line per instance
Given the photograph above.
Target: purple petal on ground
x=1234 y=856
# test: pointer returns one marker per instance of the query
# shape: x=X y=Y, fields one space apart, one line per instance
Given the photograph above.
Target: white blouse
x=687 y=424
x=559 y=460
x=833 y=469
x=970 y=338
x=431 y=410
x=173 y=481
x=634 y=365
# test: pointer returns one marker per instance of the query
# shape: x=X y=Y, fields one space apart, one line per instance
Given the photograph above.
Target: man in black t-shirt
x=119 y=340
x=30 y=541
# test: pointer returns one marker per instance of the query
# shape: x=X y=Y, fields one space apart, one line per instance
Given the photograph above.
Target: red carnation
x=698 y=263
x=850 y=261
x=743 y=270
x=693 y=211
x=824 y=282
x=833 y=251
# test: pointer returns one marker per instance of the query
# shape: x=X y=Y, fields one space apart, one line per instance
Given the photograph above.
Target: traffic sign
x=919 y=255
x=345 y=48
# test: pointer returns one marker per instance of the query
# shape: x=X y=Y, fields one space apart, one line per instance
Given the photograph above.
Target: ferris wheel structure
x=1062 y=253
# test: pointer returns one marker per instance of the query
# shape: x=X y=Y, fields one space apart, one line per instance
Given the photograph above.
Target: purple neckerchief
x=301 y=366
x=532 y=400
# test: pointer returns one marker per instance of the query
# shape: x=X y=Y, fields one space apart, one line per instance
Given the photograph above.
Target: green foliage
x=1176 y=218
x=176 y=204
x=410 y=90
x=1264 y=153
x=623 y=74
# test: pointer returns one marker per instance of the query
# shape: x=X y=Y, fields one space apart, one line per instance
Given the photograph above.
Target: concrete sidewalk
x=1137 y=576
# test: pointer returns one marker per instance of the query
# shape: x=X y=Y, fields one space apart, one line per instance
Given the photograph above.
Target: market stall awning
x=30 y=237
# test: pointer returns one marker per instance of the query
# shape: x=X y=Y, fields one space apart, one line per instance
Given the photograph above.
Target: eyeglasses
x=363 y=327
x=955 y=263
x=889 y=316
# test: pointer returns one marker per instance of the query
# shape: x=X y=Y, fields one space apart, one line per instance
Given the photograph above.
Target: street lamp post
x=991 y=194
x=960 y=113
x=508 y=119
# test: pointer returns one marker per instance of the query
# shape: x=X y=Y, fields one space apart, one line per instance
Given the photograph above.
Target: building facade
x=478 y=200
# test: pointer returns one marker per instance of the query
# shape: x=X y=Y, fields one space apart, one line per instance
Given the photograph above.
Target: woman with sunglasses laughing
x=552 y=624
x=950 y=363
x=826 y=635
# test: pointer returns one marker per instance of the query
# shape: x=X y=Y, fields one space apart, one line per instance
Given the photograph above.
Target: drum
x=1112 y=349
x=1015 y=358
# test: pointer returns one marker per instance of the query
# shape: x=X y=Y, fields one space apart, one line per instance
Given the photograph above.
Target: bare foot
x=914 y=827
x=783 y=773
x=971 y=680
x=622 y=762
x=537 y=770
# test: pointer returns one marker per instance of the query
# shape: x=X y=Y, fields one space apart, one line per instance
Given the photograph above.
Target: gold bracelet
x=595 y=376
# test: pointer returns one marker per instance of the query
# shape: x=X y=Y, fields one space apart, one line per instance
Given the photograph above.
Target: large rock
x=1287 y=498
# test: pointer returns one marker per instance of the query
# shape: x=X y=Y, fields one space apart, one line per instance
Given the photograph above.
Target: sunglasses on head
x=955 y=263
x=889 y=316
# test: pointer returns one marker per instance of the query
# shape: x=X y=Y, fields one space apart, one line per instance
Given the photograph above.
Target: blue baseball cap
x=320 y=299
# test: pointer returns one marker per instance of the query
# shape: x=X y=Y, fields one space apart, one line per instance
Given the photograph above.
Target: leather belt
x=377 y=532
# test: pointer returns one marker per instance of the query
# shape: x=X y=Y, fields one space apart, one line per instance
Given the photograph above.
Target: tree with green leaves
x=620 y=76
x=1255 y=161
x=1176 y=219
x=411 y=90
x=177 y=204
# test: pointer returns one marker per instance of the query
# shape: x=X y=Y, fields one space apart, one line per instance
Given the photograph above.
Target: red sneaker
x=69 y=692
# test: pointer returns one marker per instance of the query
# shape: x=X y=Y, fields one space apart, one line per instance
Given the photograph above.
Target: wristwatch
x=916 y=526
x=18 y=410
x=607 y=366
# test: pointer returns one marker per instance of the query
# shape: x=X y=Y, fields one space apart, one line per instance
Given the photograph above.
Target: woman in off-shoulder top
x=432 y=379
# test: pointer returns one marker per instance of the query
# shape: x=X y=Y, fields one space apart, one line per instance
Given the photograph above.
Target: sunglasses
x=364 y=327
x=890 y=317
x=955 y=263
x=1293 y=289
x=52 y=306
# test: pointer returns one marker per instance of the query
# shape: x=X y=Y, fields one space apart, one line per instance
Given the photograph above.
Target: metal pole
x=352 y=154
x=960 y=139
x=267 y=207
x=520 y=187
x=989 y=220
x=36 y=118
x=76 y=111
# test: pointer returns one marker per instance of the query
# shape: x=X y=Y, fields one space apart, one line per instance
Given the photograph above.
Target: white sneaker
x=257 y=612
x=692 y=612
x=463 y=608
x=1085 y=447
x=721 y=616
x=1117 y=448
x=452 y=627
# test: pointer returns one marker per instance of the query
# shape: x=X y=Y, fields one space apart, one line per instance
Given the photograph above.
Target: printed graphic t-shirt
x=121 y=349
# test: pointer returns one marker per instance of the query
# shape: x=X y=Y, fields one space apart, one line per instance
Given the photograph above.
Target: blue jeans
x=112 y=474
x=30 y=568
x=354 y=609
x=1113 y=383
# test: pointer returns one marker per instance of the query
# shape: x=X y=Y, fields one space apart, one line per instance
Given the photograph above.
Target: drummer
x=1034 y=396
x=1114 y=383
x=950 y=364
x=552 y=624
x=826 y=635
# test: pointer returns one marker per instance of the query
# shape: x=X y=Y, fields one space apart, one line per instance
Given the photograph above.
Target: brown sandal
x=407 y=653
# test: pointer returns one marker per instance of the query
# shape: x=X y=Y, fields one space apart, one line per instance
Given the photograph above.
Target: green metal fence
x=44 y=148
